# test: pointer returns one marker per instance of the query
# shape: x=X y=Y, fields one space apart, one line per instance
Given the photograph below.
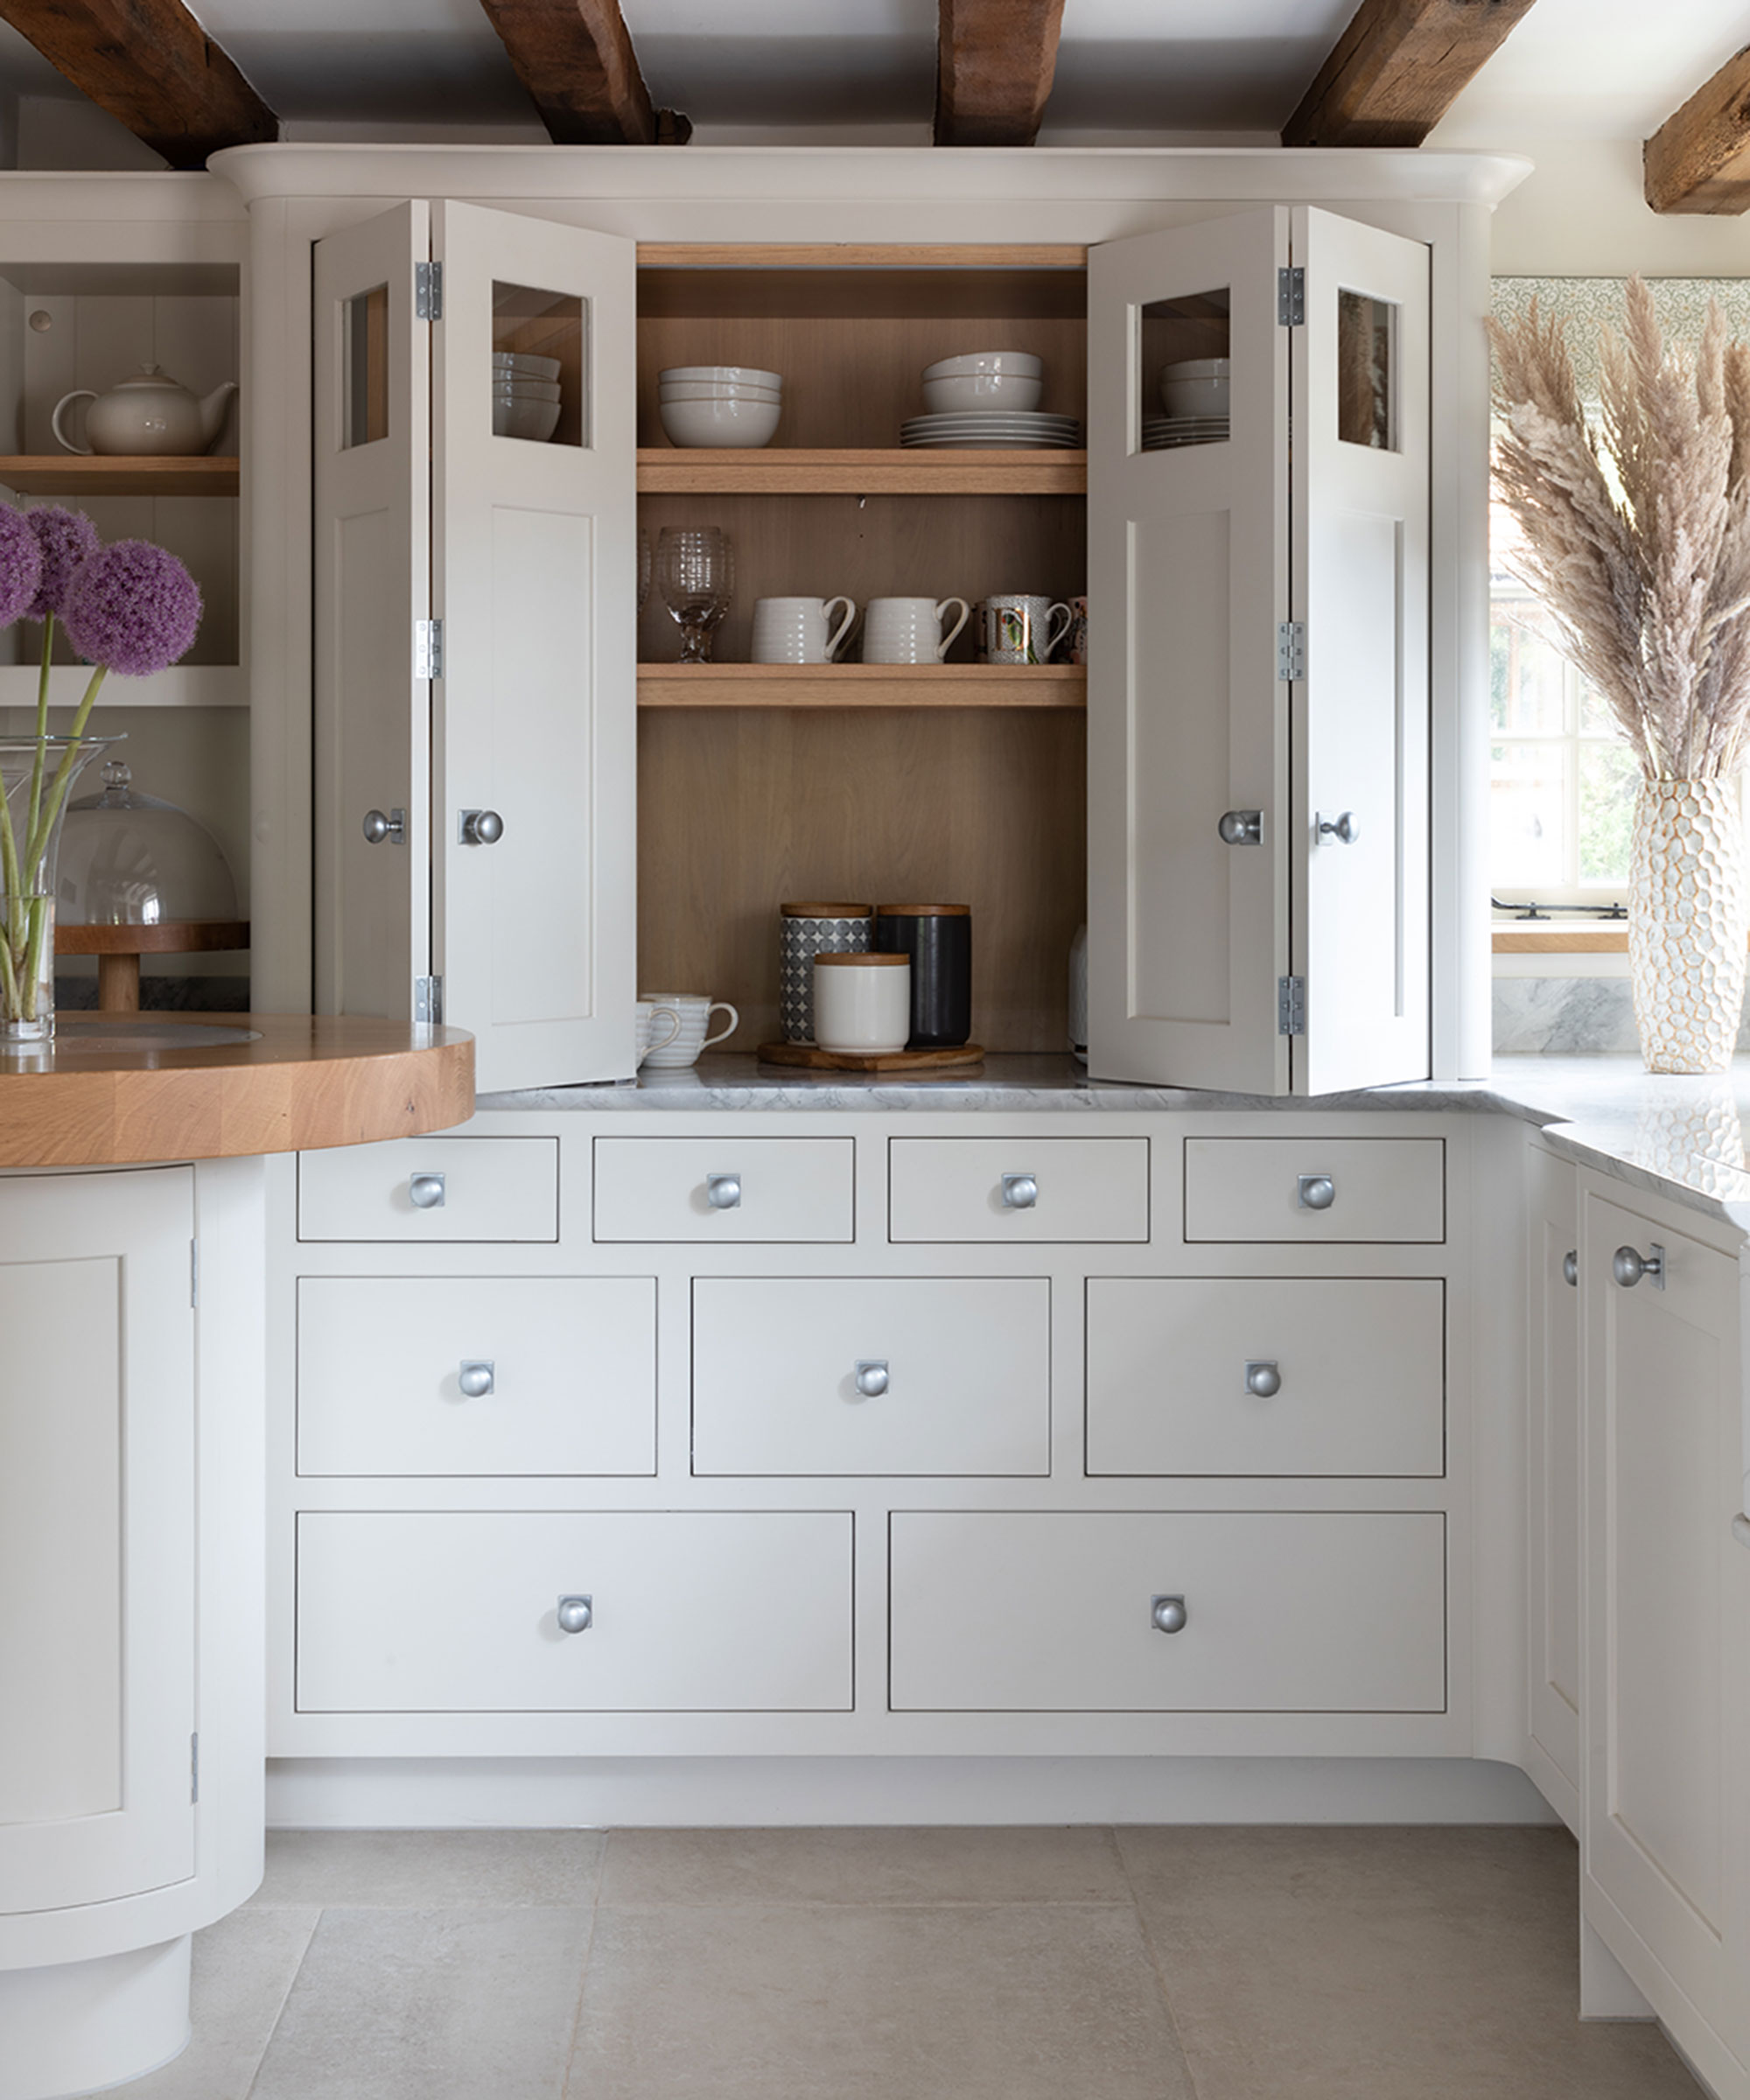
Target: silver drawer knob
x=1343 y=829
x=1629 y=1267
x=1263 y=1379
x=1242 y=828
x=1167 y=1614
x=723 y=1192
x=476 y=1380
x=576 y=1614
x=871 y=1378
x=1570 y=1267
x=479 y=828
x=1318 y=1192
x=1020 y=1192
x=425 y=1192
x=377 y=827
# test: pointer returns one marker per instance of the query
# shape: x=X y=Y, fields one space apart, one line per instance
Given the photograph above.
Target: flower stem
x=44 y=823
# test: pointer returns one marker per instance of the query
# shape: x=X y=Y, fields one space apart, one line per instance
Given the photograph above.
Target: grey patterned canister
x=808 y=930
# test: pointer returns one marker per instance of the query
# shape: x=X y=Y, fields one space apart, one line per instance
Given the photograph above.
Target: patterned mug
x=1019 y=628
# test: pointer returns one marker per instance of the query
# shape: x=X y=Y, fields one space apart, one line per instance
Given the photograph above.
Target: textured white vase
x=1686 y=923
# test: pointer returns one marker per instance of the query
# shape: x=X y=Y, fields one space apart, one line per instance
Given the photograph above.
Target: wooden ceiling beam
x=576 y=59
x=152 y=66
x=1699 y=160
x=995 y=59
x=1397 y=69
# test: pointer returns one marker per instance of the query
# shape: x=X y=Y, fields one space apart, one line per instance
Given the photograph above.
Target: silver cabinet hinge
x=194 y=1767
x=428 y=648
x=1290 y=296
x=428 y=290
x=195 y=1273
x=428 y=999
x=1290 y=1005
x=1290 y=649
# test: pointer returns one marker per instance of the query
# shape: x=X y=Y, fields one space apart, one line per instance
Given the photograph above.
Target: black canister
x=938 y=938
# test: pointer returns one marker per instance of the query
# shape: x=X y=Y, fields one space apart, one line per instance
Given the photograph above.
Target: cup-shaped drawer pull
x=723 y=1192
x=1263 y=1378
x=872 y=1376
x=1167 y=1614
x=475 y=1378
x=576 y=1614
x=425 y=1192
x=1020 y=1192
x=1570 y=1267
x=1628 y=1266
x=1317 y=1192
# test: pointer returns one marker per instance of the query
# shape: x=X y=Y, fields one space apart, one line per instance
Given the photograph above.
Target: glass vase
x=38 y=774
x=1686 y=923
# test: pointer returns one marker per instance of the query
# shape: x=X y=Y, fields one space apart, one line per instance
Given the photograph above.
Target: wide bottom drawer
x=1295 y=1612
x=694 y=1610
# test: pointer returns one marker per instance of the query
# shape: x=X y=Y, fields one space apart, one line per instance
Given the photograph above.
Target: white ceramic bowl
x=737 y=374
x=526 y=389
x=535 y=419
x=981 y=390
x=719 y=422
x=1197 y=386
x=526 y=360
x=1022 y=363
x=699 y=389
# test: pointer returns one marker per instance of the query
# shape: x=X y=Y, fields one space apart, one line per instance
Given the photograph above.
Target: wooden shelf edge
x=853 y=255
x=665 y=470
x=71 y=473
x=932 y=685
x=1560 y=941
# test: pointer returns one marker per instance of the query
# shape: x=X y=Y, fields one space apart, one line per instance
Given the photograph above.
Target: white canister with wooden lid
x=863 y=1003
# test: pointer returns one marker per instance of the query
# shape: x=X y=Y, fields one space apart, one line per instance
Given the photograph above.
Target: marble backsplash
x=1537 y=1016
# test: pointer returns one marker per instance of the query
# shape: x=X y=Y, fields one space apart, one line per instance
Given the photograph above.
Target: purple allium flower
x=133 y=607
x=21 y=564
x=66 y=538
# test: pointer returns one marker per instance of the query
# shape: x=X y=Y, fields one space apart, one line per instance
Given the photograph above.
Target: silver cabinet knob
x=1629 y=1267
x=1318 y=1192
x=476 y=1380
x=479 y=828
x=1740 y=1530
x=425 y=1192
x=723 y=1192
x=1263 y=1379
x=377 y=827
x=576 y=1614
x=1343 y=829
x=1242 y=828
x=1167 y=1614
x=1570 y=1267
x=1020 y=1192
x=871 y=1378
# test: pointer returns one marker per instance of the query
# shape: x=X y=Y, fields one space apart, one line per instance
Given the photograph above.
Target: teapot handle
x=66 y=443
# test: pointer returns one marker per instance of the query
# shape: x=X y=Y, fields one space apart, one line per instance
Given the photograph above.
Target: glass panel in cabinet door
x=539 y=365
x=1183 y=366
x=1367 y=362
x=364 y=353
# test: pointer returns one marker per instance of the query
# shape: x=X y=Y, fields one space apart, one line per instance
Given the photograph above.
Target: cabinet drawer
x=784 y=1188
x=1295 y=1612
x=964 y=1369
x=1249 y=1189
x=492 y=1188
x=1360 y=1367
x=569 y=1362
x=713 y=1611
x=1081 y=1188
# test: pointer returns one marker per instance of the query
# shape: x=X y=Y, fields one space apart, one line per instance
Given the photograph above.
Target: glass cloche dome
x=130 y=859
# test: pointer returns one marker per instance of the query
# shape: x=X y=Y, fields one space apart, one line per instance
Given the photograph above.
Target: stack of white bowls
x=720 y=404
x=525 y=395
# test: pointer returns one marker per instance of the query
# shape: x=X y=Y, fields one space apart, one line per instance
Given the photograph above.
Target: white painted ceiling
x=1131 y=69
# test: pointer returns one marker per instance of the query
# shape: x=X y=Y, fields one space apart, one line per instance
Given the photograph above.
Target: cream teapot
x=149 y=415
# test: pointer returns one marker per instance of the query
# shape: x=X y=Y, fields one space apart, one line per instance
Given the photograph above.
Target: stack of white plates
x=1165 y=433
x=984 y=429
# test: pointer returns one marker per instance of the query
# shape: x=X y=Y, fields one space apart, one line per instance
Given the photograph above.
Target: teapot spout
x=213 y=410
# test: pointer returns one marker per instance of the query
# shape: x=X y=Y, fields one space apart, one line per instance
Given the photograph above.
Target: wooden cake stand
x=118 y=949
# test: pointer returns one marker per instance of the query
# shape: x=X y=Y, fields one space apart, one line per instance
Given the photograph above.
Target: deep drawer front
x=1022 y=1189
x=412 y=1611
x=477 y=1374
x=1175 y=1366
x=957 y=1375
x=725 y=1191
x=431 y=1188
x=1274 y=1188
x=1286 y=1612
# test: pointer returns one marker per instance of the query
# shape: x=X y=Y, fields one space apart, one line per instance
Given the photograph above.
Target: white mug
x=649 y=1019
x=1017 y=628
x=863 y=1003
x=908 y=630
x=695 y=1009
x=794 y=630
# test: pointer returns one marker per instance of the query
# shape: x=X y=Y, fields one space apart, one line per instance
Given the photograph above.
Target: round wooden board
x=813 y=1058
x=119 y=1097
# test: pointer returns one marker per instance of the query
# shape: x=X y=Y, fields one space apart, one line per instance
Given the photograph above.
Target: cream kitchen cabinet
x=1553 y=1483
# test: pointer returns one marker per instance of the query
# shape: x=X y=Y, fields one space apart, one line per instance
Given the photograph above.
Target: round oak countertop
x=120 y=1089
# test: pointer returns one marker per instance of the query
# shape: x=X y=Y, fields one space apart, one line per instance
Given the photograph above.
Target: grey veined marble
x=1565 y=1016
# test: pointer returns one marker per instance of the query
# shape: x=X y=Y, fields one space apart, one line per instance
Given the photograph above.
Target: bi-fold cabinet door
x=1258 y=791
x=474 y=600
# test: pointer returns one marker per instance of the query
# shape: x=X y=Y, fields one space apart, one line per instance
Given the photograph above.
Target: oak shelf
x=117 y=474
x=919 y=471
x=839 y=685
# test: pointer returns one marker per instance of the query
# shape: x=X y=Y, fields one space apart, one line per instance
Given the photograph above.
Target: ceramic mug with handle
x=800 y=630
x=1021 y=628
x=908 y=630
x=695 y=1009
x=655 y=1028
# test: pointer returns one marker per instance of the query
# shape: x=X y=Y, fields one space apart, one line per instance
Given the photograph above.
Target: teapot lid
x=150 y=375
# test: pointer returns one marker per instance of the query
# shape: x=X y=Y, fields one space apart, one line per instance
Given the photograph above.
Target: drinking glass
x=695 y=574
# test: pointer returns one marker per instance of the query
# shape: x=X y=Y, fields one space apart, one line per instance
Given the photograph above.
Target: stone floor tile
x=431 y=1870
x=243 y=1968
